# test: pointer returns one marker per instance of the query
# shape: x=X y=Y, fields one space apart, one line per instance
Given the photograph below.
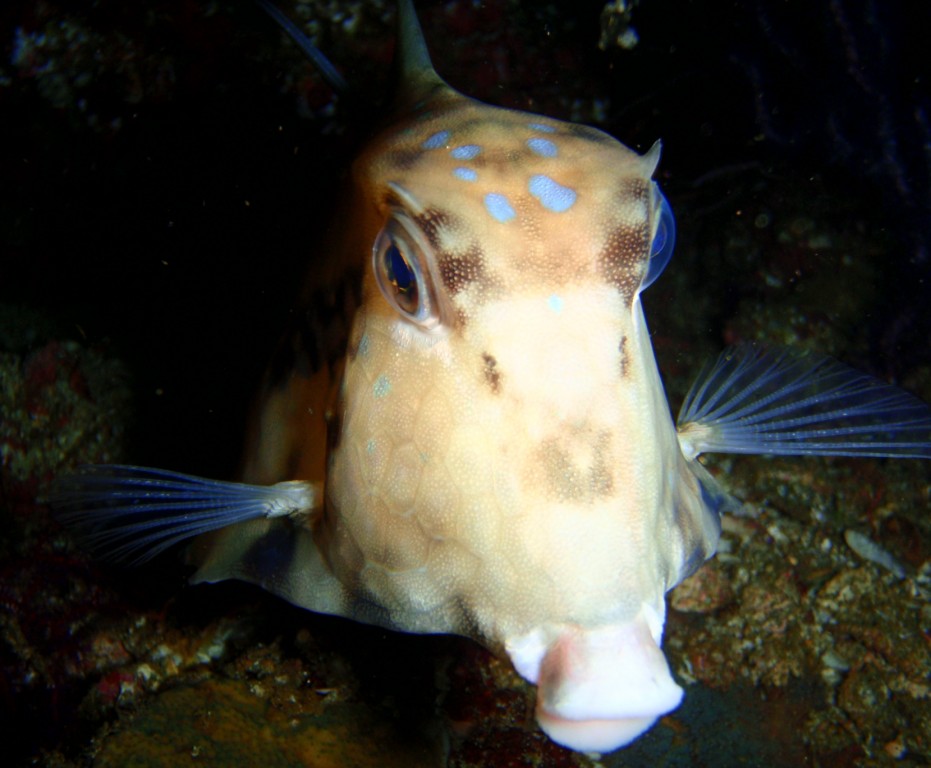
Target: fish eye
x=400 y=266
x=664 y=239
x=401 y=279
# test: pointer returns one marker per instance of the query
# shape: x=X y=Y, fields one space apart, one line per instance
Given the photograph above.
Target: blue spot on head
x=436 y=141
x=499 y=207
x=382 y=386
x=363 y=350
x=553 y=196
x=555 y=303
x=542 y=147
x=542 y=127
x=466 y=174
x=466 y=151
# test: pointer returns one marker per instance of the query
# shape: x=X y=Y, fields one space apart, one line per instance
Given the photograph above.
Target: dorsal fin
x=417 y=77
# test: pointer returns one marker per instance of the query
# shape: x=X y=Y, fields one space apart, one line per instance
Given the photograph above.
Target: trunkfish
x=468 y=433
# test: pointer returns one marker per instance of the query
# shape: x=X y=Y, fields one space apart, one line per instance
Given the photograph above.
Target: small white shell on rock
x=868 y=549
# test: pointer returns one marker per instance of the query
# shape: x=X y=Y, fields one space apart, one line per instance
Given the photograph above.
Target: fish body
x=469 y=433
x=495 y=417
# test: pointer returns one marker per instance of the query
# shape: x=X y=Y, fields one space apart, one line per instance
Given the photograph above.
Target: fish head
x=506 y=465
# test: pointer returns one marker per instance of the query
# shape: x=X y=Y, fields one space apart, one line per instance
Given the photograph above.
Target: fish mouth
x=596 y=735
x=600 y=688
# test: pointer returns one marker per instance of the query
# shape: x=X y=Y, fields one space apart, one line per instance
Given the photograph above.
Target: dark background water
x=166 y=170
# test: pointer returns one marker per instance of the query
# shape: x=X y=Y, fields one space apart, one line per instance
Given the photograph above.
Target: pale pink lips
x=599 y=689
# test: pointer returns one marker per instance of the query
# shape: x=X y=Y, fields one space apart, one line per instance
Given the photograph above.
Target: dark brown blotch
x=431 y=222
x=492 y=374
x=405 y=159
x=623 y=357
x=622 y=260
x=334 y=424
x=567 y=481
x=457 y=272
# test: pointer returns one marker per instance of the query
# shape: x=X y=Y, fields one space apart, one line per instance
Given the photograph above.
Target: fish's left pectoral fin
x=131 y=514
x=753 y=400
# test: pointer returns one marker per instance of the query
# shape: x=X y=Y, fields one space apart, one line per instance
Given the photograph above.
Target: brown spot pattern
x=567 y=481
x=623 y=360
x=622 y=260
x=458 y=272
x=431 y=222
x=492 y=374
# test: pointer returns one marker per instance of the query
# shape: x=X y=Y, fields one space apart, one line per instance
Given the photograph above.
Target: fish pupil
x=402 y=278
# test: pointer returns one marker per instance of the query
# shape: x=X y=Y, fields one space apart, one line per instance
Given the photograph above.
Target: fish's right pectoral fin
x=753 y=400
x=131 y=514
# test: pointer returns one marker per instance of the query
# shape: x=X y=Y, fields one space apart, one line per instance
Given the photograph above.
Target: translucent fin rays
x=322 y=63
x=130 y=514
x=752 y=400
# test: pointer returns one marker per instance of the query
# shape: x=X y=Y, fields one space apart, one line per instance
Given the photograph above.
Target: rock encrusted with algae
x=786 y=606
x=62 y=403
x=278 y=722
